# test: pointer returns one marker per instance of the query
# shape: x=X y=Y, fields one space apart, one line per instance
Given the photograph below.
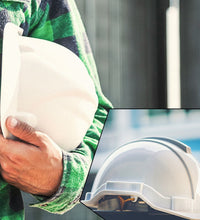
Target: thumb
x=22 y=131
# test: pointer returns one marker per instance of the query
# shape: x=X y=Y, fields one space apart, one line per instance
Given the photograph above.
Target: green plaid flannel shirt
x=58 y=21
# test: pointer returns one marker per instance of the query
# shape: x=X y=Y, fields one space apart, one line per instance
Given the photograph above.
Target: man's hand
x=34 y=164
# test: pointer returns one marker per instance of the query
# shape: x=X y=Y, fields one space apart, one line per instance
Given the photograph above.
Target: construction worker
x=34 y=163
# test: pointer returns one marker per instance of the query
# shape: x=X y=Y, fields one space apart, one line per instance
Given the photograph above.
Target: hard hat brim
x=142 y=191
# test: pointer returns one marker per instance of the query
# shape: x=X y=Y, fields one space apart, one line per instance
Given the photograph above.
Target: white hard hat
x=47 y=86
x=159 y=171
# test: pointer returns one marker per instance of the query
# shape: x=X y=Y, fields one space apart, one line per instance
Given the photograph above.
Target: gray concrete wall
x=190 y=53
x=124 y=36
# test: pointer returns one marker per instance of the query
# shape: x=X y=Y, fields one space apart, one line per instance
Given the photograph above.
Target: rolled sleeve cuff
x=59 y=202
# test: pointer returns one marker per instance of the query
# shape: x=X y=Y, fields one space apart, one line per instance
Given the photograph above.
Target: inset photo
x=146 y=166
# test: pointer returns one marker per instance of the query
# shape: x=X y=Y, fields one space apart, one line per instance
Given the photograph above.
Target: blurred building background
x=128 y=38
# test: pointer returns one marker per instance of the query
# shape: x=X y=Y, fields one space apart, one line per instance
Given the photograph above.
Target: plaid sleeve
x=59 y=21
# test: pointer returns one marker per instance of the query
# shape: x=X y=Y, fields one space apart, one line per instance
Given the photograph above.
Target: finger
x=23 y=131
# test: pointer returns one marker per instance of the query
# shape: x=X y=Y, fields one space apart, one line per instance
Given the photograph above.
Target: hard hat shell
x=47 y=86
x=160 y=171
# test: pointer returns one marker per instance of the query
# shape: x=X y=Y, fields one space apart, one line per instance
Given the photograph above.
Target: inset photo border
x=146 y=166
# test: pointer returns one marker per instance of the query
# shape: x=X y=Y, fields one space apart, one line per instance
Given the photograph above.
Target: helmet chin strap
x=122 y=203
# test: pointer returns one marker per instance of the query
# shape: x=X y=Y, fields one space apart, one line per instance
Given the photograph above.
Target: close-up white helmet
x=46 y=86
x=157 y=172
